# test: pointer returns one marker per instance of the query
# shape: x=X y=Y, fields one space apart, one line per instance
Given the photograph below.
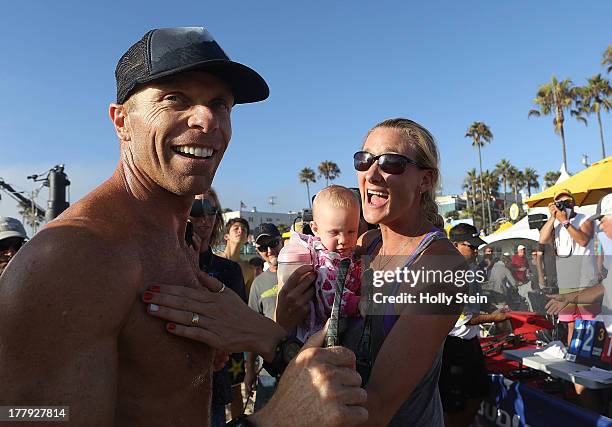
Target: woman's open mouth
x=377 y=199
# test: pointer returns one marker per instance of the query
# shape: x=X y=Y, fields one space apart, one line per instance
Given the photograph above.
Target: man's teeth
x=195 y=151
x=378 y=193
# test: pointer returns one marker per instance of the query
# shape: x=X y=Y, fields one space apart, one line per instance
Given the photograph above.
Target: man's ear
x=118 y=115
x=226 y=237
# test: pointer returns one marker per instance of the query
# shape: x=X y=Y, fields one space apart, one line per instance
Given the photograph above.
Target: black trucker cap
x=166 y=51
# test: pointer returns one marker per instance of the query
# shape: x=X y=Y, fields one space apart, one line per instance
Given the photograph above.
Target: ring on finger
x=222 y=288
x=195 y=319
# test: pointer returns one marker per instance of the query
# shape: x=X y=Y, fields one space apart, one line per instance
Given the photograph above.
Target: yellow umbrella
x=588 y=186
x=506 y=225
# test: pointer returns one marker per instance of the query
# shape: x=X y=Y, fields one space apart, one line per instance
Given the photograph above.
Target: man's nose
x=204 y=118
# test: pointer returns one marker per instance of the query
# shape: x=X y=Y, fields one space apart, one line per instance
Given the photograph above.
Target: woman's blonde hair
x=216 y=237
x=424 y=145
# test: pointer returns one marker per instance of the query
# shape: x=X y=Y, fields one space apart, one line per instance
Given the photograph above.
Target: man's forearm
x=487 y=318
x=541 y=278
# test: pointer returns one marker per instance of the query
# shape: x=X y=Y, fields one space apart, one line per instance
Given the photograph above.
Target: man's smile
x=194 y=152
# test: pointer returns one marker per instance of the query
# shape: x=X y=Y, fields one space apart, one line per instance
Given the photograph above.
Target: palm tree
x=307 y=176
x=480 y=134
x=552 y=98
x=594 y=97
x=531 y=179
x=470 y=183
x=329 y=170
x=491 y=184
x=516 y=179
x=606 y=61
x=29 y=216
x=502 y=169
x=550 y=178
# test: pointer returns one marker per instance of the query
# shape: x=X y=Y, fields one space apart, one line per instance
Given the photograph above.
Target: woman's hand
x=557 y=303
x=292 y=300
x=219 y=319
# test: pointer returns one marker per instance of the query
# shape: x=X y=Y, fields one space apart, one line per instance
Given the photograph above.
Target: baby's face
x=337 y=228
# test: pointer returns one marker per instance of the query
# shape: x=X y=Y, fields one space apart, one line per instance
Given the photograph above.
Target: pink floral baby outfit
x=326 y=264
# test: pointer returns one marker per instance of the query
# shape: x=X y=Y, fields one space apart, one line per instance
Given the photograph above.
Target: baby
x=335 y=224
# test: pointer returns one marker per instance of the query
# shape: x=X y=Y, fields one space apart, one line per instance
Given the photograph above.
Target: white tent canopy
x=520 y=230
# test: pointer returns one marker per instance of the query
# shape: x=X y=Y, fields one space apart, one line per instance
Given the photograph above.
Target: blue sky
x=334 y=70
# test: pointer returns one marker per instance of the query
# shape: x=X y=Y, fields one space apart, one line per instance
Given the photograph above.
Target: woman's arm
x=409 y=350
x=403 y=360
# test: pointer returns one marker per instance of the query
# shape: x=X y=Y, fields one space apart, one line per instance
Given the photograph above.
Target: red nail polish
x=154 y=288
x=171 y=327
x=147 y=296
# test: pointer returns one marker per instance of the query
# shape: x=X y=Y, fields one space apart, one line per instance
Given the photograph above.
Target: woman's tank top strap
x=373 y=244
x=429 y=238
x=425 y=242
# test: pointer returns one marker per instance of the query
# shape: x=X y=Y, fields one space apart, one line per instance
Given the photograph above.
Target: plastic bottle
x=293 y=255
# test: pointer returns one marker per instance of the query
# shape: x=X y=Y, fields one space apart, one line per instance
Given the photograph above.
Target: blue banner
x=512 y=404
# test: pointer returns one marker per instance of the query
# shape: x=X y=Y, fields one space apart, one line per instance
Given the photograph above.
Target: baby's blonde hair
x=336 y=196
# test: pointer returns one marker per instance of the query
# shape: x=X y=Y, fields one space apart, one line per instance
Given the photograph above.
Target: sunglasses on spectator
x=271 y=244
x=203 y=207
x=391 y=163
x=7 y=244
x=472 y=247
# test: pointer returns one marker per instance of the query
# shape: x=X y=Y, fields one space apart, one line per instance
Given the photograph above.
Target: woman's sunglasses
x=391 y=163
x=202 y=207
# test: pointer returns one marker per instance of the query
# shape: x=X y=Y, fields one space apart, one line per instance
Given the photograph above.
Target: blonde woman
x=398 y=172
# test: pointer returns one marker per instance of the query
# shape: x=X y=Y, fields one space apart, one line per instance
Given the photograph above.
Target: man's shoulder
x=73 y=253
x=264 y=281
x=71 y=269
x=81 y=237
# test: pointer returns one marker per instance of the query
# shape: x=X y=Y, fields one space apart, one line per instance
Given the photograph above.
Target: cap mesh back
x=132 y=66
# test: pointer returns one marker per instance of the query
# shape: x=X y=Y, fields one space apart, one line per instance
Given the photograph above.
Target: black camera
x=564 y=204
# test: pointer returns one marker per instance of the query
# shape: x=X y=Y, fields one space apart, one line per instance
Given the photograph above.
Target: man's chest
x=146 y=349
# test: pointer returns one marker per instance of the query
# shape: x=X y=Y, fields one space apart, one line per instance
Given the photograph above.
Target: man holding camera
x=571 y=235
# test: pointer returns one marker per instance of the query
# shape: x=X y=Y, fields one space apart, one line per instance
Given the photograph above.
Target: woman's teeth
x=377 y=197
x=198 y=152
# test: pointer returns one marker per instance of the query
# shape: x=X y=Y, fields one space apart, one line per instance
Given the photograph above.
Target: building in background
x=452 y=203
x=255 y=218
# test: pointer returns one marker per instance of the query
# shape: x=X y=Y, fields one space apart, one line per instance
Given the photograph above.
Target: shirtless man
x=74 y=331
